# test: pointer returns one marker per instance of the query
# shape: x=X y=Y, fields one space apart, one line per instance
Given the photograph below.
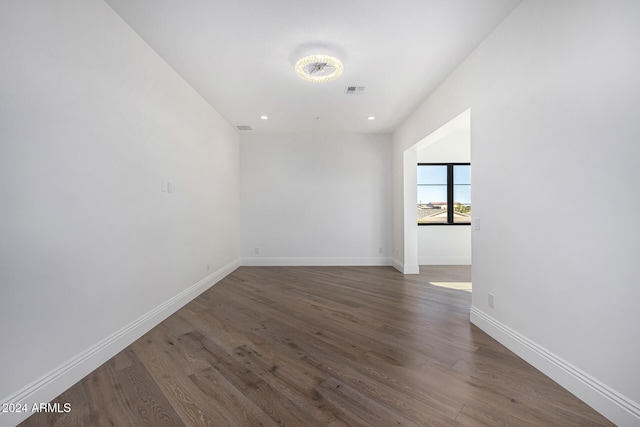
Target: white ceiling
x=239 y=54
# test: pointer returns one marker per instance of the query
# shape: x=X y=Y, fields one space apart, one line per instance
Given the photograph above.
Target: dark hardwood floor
x=321 y=346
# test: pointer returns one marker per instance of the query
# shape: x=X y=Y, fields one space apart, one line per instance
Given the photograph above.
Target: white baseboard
x=444 y=260
x=313 y=261
x=613 y=405
x=411 y=269
x=50 y=385
x=405 y=268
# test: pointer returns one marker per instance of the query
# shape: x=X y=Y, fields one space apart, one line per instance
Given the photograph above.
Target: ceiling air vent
x=354 y=90
x=244 y=127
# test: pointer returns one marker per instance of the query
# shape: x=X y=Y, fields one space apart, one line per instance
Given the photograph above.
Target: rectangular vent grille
x=244 y=127
x=354 y=90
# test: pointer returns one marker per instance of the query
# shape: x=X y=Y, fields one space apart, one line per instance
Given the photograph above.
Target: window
x=444 y=193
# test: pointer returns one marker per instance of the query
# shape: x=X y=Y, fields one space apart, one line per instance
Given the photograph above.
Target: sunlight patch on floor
x=460 y=286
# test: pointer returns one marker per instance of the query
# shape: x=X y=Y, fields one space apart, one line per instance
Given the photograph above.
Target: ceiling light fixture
x=264 y=117
x=371 y=118
x=319 y=68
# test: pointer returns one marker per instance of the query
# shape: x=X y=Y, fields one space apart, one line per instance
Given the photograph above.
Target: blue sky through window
x=462 y=184
x=432 y=184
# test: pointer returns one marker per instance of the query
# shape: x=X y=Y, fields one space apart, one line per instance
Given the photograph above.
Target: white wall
x=445 y=245
x=454 y=147
x=555 y=101
x=315 y=199
x=92 y=252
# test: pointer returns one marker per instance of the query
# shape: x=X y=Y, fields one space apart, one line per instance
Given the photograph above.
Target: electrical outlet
x=380 y=250
x=208 y=266
x=490 y=300
x=256 y=251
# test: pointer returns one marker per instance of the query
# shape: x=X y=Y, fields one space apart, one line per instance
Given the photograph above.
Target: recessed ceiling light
x=371 y=118
x=264 y=117
x=319 y=68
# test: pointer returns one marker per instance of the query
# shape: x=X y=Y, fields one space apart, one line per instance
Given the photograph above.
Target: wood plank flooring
x=321 y=346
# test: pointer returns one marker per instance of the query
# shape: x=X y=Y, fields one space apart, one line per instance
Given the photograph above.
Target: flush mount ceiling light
x=319 y=68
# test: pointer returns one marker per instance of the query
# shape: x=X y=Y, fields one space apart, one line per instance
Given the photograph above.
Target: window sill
x=443 y=223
